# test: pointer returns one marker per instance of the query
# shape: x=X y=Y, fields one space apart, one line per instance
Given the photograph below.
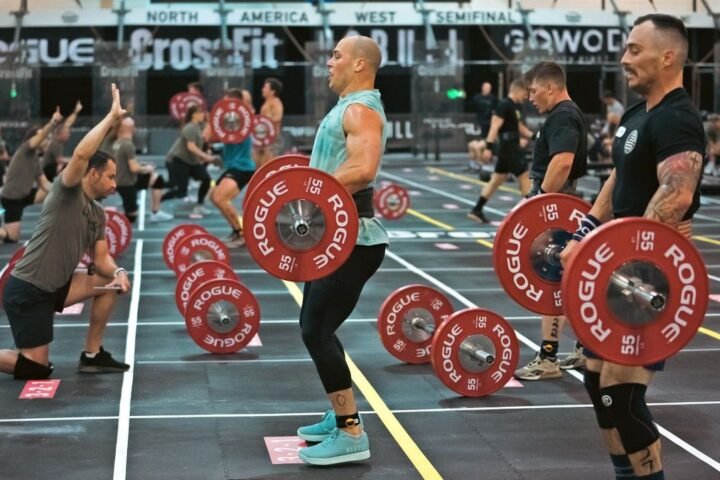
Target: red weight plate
x=222 y=316
x=180 y=102
x=278 y=164
x=300 y=224
x=198 y=247
x=614 y=322
x=520 y=264
x=7 y=270
x=399 y=316
x=169 y=246
x=392 y=201
x=17 y=255
x=470 y=330
x=199 y=273
x=124 y=228
x=231 y=121
x=264 y=132
x=112 y=237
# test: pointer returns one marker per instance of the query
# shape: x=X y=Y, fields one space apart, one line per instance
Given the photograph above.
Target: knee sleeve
x=26 y=369
x=159 y=183
x=629 y=412
x=592 y=385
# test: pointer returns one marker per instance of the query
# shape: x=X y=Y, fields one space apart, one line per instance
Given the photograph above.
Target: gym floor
x=182 y=413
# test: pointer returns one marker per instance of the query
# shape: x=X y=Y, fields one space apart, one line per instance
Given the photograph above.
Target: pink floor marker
x=414 y=193
x=255 y=342
x=715 y=298
x=35 y=389
x=407 y=170
x=75 y=309
x=465 y=186
x=450 y=206
x=506 y=198
x=495 y=223
x=447 y=246
x=513 y=383
x=284 y=450
x=433 y=178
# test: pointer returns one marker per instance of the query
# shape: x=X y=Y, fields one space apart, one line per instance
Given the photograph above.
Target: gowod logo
x=630 y=142
x=570 y=43
x=607 y=400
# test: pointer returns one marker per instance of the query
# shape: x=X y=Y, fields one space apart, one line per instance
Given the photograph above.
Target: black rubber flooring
x=182 y=413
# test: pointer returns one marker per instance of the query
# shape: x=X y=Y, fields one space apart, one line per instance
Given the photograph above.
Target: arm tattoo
x=678 y=176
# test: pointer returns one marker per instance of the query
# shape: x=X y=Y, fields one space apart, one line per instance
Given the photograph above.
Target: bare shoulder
x=358 y=116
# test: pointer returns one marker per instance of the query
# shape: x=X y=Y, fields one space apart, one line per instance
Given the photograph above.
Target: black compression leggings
x=182 y=173
x=327 y=303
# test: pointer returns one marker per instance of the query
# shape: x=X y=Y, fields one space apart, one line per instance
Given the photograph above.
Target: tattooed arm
x=678 y=177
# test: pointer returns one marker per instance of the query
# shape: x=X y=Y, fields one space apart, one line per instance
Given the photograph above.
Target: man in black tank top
x=559 y=158
x=506 y=130
x=658 y=154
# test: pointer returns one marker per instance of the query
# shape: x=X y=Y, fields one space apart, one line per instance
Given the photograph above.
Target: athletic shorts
x=128 y=193
x=241 y=177
x=511 y=162
x=655 y=367
x=31 y=311
x=14 y=206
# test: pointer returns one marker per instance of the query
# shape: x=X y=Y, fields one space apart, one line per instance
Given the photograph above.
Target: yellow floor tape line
x=398 y=432
x=445 y=226
x=707 y=239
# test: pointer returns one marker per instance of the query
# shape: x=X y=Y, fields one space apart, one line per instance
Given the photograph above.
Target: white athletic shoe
x=160 y=216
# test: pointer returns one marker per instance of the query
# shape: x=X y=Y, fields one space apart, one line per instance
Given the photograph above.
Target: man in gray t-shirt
x=53 y=159
x=614 y=110
x=45 y=280
x=23 y=173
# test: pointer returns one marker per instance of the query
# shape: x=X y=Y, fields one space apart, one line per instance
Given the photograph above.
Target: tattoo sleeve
x=678 y=177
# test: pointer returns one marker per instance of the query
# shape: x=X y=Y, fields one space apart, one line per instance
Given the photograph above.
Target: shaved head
x=668 y=33
x=367 y=48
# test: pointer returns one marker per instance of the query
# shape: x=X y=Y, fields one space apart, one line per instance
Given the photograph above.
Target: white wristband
x=118 y=270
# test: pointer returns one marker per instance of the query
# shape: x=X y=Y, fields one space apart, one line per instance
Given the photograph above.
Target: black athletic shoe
x=478 y=216
x=103 y=362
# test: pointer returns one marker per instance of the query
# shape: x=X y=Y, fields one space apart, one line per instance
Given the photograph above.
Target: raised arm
x=73 y=116
x=75 y=170
x=678 y=176
x=42 y=134
x=363 y=128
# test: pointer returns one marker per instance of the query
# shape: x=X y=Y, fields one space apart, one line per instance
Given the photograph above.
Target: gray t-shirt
x=192 y=132
x=617 y=108
x=52 y=154
x=123 y=150
x=22 y=173
x=70 y=223
x=107 y=143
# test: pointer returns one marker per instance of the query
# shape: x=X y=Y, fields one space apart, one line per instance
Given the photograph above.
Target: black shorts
x=241 y=177
x=30 y=311
x=511 y=162
x=14 y=207
x=50 y=172
x=655 y=367
x=128 y=193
